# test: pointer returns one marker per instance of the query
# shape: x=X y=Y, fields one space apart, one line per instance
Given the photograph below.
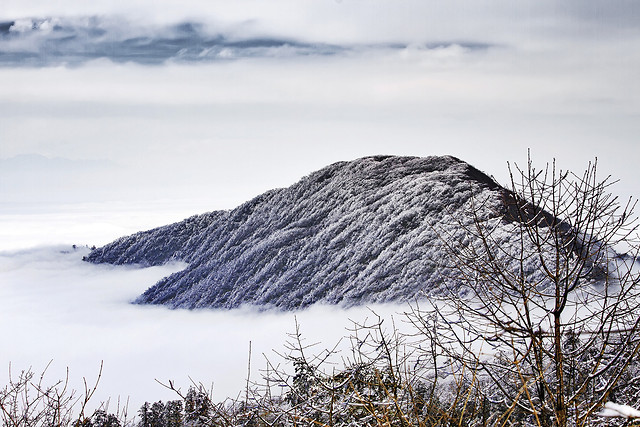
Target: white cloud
x=55 y=307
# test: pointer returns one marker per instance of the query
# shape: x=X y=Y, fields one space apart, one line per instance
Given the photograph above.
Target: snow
x=616 y=410
x=352 y=233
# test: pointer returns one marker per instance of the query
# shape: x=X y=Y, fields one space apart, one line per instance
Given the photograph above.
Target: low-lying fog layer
x=55 y=307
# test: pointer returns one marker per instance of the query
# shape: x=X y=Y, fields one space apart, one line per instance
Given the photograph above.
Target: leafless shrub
x=549 y=320
x=30 y=399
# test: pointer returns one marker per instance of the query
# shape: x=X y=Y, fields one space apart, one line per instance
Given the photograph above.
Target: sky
x=121 y=116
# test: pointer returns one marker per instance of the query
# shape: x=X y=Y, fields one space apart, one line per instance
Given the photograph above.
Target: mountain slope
x=352 y=233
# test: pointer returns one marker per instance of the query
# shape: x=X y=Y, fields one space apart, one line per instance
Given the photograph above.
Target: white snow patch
x=616 y=410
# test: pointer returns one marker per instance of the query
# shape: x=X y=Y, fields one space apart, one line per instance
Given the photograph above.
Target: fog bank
x=54 y=307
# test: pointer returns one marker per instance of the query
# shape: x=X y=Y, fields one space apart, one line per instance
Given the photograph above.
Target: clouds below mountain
x=55 y=307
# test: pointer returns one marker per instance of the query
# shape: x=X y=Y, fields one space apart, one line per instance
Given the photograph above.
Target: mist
x=56 y=309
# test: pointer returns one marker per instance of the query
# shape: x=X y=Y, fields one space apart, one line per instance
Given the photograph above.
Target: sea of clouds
x=61 y=312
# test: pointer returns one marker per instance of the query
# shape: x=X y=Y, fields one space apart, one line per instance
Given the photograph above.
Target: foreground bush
x=387 y=379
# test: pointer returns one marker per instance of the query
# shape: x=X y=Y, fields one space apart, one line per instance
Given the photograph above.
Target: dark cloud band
x=51 y=41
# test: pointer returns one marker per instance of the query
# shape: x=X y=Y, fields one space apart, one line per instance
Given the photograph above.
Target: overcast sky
x=219 y=101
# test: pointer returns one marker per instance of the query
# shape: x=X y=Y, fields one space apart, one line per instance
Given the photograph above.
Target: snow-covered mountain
x=354 y=232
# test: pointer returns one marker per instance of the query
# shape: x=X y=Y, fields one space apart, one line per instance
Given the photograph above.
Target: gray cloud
x=73 y=41
x=353 y=21
x=617 y=14
x=55 y=41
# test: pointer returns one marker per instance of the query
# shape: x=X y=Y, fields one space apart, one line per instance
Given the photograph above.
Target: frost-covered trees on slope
x=352 y=233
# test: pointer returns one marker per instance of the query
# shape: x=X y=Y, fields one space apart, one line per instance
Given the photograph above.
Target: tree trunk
x=561 y=408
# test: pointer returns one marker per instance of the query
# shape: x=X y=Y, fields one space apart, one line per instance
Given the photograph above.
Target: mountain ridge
x=354 y=232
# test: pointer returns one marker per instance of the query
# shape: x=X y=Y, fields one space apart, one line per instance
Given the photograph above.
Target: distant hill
x=364 y=231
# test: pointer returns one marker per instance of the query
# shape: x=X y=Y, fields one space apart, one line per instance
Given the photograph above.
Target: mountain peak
x=351 y=233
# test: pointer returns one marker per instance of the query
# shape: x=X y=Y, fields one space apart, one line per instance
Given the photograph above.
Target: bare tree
x=543 y=304
x=31 y=400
